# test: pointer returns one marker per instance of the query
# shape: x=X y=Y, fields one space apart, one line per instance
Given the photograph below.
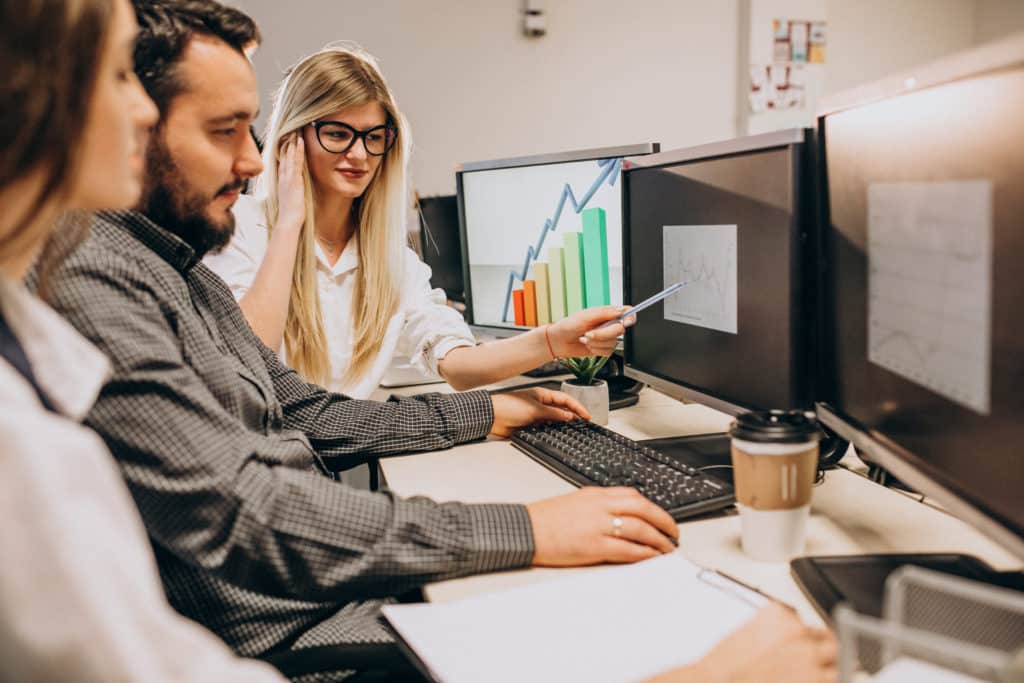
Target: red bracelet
x=547 y=338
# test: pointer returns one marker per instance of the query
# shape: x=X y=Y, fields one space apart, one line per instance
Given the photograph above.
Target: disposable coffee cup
x=775 y=460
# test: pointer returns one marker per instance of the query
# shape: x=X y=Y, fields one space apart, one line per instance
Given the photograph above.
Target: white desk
x=850 y=514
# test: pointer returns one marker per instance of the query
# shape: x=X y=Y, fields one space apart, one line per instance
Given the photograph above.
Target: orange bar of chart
x=518 y=307
x=530 y=302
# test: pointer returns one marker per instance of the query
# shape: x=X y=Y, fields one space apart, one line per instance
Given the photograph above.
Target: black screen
x=439 y=240
x=927 y=215
x=762 y=364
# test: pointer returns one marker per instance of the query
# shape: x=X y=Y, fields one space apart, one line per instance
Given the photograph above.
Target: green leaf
x=585 y=369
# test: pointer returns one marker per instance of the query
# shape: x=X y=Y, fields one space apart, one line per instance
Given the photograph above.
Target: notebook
x=903 y=670
x=606 y=625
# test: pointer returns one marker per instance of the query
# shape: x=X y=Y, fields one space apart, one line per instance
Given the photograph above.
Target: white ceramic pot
x=593 y=397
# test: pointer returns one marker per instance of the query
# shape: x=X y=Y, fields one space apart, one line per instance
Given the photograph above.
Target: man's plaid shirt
x=217 y=440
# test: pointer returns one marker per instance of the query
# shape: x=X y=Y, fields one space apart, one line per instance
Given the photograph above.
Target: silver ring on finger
x=617 y=527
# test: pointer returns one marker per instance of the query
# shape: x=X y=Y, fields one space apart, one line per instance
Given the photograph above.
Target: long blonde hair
x=339 y=77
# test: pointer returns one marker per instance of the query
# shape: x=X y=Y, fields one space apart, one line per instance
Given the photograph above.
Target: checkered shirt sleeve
x=243 y=505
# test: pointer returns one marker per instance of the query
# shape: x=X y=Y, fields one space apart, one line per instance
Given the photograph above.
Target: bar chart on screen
x=577 y=273
x=582 y=272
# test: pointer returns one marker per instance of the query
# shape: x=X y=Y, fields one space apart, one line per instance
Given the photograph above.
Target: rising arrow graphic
x=610 y=172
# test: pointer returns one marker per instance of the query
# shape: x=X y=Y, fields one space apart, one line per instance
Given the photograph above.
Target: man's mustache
x=237 y=184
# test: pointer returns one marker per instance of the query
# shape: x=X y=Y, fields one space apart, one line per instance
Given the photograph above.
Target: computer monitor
x=541 y=236
x=736 y=221
x=441 y=245
x=925 y=178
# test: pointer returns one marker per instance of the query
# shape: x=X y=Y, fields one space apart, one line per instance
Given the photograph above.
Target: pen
x=646 y=303
x=750 y=588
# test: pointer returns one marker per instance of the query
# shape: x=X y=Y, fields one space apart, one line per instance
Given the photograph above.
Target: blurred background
x=608 y=72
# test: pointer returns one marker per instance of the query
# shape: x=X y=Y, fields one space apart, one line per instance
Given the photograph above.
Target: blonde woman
x=319 y=261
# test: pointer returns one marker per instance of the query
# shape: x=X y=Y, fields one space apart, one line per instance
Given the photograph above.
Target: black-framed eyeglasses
x=337 y=137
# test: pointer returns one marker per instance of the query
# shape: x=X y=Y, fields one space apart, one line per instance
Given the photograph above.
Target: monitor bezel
x=904 y=464
x=624 y=151
x=801 y=143
x=913 y=471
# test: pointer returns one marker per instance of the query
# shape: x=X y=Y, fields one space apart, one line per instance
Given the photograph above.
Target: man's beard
x=170 y=201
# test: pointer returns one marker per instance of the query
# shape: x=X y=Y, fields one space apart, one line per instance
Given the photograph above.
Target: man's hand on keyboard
x=595 y=525
x=521 y=408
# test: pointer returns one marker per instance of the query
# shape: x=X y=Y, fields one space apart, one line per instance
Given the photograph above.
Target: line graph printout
x=705 y=256
x=930 y=286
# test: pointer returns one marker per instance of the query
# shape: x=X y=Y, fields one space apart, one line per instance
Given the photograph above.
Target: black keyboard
x=590 y=455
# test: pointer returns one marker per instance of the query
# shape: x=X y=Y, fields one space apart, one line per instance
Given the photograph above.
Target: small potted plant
x=592 y=393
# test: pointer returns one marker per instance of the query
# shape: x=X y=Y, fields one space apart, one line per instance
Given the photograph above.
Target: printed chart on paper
x=930 y=286
x=705 y=256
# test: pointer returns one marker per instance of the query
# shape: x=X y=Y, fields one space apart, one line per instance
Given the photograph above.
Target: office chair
x=373 y=662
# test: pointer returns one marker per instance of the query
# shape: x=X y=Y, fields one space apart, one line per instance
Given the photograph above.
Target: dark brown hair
x=50 y=52
x=166 y=27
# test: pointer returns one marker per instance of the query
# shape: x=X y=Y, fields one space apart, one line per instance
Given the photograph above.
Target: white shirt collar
x=69 y=370
x=348 y=261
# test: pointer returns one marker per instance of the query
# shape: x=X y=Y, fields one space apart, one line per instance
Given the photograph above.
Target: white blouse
x=80 y=598
x=422 y=331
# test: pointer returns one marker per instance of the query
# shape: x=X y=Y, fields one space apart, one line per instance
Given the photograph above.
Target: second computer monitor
x=440 y=244
x=734 y=220
x=541 y=236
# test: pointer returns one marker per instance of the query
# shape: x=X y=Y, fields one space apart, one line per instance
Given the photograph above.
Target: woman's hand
x=291 y=191
x=578 y=335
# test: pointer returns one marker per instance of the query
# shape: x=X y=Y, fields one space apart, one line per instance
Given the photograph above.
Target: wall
x=994 y=19
x=607 y=73
x=867 y=40
x=875 y=38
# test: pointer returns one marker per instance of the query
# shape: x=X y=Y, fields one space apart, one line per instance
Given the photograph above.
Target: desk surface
x=849 y=514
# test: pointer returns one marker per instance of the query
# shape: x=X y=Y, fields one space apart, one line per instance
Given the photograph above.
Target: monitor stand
x=859 y=580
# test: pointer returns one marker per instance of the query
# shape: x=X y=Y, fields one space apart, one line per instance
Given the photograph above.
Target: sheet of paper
x=609 y=625
x=904 y=670
x=930 y=251
x=705 y=256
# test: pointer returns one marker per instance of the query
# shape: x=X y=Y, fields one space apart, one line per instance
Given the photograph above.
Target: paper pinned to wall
x=799 y=41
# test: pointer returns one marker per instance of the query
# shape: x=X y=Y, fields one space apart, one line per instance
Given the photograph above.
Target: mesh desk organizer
x=938 y=622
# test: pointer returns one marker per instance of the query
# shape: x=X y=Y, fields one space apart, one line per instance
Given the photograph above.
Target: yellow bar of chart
x=540 y=276
x=556 y=283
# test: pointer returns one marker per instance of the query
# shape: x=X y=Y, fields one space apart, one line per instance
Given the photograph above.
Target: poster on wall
x=816 y=55
x=798 y=33
x=780 y=31
x=777 y=86
x=798 y=41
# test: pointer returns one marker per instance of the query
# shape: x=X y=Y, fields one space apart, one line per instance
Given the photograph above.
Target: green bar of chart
x=595 y=259
x=575 y=287
x=556 y=283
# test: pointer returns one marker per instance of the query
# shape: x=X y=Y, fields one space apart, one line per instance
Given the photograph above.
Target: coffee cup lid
x=776 y=426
